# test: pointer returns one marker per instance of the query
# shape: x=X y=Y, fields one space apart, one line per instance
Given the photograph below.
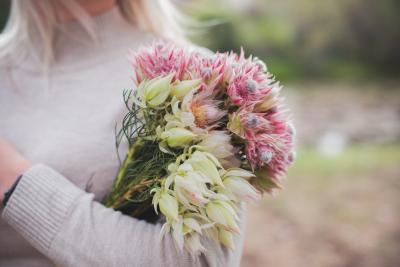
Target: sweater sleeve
x=69 y=227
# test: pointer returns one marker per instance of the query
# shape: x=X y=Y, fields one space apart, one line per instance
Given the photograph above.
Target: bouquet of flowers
x=205 y=132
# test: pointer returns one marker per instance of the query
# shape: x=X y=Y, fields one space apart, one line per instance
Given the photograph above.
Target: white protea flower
x=226 y=238
x=193 y=244
x=179 y=117
x=200 y=112
x=238 y=172
x=241 y=189
x=177 y=231
x=177 y=137
x=181 y=88
x=154 y=92
x=167 y=202
x=186 y=231
x=187 y=169
x=223 y=213
x=206 y=195
x=218 y=143
x=189 y=186
x=236 y=186
x=206 y=164
x=211 y=233
x=191 y=225
x=190 y=191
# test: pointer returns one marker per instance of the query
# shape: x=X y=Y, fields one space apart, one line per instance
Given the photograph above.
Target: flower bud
x=251 y=121
x=168 y=206
x=266 y=156
x=181 y=88
x=178 y=137
x=157 y=91
x=251 y=85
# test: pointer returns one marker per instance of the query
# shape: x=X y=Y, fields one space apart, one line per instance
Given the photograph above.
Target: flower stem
x=111 y=198
x=128 y=160
x=117 y=202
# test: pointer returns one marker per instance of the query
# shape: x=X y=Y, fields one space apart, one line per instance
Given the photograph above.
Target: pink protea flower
x=270 y=101
x=277 y=138
x=247 y=124
x=211 y=69
x=243 y=89
x=277 y=120
x=255 y=123
x=272 y=153
x=204 y=109
x=161 y=59
x=249 y=83
x=247 y=87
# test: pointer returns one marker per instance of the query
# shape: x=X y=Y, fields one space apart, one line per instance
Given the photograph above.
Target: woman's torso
x=66 y=118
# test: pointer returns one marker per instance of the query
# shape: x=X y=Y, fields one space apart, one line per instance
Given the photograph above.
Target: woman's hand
x=12 y=164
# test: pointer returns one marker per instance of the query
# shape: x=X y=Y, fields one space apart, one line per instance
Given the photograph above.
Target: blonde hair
x=36 y=20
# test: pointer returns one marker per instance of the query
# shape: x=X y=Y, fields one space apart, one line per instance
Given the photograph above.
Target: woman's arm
x=12 y=165
x=66 y=225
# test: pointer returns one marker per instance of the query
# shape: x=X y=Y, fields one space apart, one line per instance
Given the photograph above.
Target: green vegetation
x=4 y=6
x=351 y=40
x=341 y=40
x=355 y=160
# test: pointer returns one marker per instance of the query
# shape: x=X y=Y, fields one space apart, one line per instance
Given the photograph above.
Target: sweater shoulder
x=149 y=38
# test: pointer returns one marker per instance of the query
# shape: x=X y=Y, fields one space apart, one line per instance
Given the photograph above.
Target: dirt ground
x=339 y=209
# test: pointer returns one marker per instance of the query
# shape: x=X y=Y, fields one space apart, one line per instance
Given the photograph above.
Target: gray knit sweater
x=64 y=123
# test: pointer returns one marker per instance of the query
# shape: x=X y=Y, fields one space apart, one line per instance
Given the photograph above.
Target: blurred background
x=339 y=62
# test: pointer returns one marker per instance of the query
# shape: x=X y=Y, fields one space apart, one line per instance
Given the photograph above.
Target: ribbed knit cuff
x=39 y=204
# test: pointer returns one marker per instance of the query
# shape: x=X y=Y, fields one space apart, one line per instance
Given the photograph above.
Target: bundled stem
x=128 y=160
x=143 y=165
x=141 y=171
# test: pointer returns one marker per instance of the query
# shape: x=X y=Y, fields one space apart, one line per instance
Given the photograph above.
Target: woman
x=63 y=67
